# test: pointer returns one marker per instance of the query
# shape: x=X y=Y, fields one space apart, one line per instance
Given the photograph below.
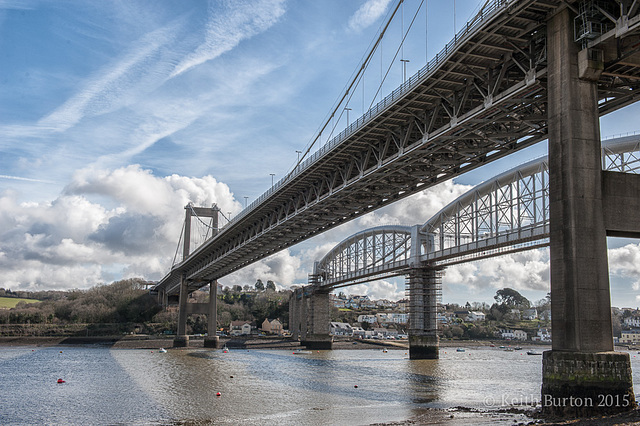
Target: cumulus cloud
x=132 y=230
x=367 y=14
x=379 y=289
x=625 y=262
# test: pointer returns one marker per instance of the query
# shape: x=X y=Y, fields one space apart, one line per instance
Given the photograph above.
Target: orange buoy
x=218 y=394
x=61 y=381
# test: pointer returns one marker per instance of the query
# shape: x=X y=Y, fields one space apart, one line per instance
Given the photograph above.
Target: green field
x=11 y=302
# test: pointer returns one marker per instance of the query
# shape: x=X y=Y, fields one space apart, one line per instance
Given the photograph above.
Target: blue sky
x=114 y=115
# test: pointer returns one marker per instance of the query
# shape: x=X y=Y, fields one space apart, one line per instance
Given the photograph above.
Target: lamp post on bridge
x=404 y=69
x=272 y=175
x=347 y=109
x=298 y=152
x=245 y=202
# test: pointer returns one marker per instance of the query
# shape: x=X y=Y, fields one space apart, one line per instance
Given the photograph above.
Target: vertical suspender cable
x=454 y=19
x=426 y=31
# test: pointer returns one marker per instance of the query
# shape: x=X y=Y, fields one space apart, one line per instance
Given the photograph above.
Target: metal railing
x=485 y=14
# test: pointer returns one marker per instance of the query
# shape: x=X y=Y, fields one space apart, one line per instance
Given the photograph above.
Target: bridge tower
x=424 y=286
x=316 y=319
x=581 y=366
x=210 y=308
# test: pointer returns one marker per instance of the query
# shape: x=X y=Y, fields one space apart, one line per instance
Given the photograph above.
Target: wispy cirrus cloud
x=25 y=179
x=111 y=87
x=367 y=14
x=228 y=26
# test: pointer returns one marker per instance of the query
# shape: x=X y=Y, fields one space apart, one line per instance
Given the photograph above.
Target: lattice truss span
x=505 y=214
x=372 y=252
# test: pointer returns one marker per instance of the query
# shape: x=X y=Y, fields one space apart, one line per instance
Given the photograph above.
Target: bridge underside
x=483 y=97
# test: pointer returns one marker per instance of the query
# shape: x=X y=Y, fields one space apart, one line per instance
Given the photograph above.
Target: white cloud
x=74 y=242
x=379 y=289
x=527 y=270
x=228 y=26
x=367 y=14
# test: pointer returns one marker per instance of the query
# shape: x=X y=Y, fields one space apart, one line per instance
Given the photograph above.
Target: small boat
x=225 y=349
x=385 y=351
x=460 y=350
x=502 y=347
x=301 y=352
x=508 y=350
x=518 y=348
x=533 y=353
x=162 y=350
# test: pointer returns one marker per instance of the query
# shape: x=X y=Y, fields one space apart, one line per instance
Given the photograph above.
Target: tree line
x=129 y=304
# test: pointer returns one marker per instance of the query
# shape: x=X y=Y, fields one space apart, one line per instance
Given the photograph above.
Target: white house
x=544 y=335
x=530 y=314
x=340 y=329
x=474 y=316
x=513 y=334
x=240 y=327
x=367 y=318
x=358 y=331
x=632 y=322
x=397 y=318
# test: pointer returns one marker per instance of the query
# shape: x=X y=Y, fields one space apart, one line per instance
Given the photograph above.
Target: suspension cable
x=397 y=52
x=175 y=256
x=347 y=92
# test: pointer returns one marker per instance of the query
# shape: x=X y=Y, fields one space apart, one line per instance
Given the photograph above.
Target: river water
x=341 y=387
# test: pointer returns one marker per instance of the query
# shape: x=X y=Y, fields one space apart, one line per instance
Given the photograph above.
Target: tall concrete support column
x=318 y=336
x=212 y=340
x=581 y=364
x=304 y=316
x=294 y=314
x=424 y=286
x=182 y=339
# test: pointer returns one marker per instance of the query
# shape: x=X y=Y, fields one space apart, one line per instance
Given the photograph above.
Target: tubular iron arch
x=510 y=212
x=374 y=251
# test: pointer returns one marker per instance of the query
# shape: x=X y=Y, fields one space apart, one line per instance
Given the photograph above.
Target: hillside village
x=511 y=318
x=262 y=309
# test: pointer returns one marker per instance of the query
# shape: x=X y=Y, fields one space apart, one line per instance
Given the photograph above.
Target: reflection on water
x=258 y=387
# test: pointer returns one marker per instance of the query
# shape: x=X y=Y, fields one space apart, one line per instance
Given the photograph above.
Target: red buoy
x=61 y=381
x=218 y=394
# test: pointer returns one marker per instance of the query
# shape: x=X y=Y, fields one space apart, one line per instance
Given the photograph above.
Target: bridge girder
x=482 y=97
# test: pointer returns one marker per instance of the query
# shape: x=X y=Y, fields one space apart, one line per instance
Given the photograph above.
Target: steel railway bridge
x=519 y=72
x=506 y=214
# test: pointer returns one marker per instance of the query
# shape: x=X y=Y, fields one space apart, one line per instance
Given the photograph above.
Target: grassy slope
x=10 y=302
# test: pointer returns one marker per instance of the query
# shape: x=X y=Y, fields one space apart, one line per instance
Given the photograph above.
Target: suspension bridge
x=519 y=72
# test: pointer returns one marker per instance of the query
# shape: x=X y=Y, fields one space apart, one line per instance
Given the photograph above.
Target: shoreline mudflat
x=156 y=342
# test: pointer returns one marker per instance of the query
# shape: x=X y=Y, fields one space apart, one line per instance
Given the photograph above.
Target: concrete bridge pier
x=182 y=339
x=319 y=311
x=295 y=313
x=212 y=340
x=304 y=316
x=581 y=374
x=424 y=286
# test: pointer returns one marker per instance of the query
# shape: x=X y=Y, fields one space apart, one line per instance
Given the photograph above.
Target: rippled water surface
x=119 y=386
